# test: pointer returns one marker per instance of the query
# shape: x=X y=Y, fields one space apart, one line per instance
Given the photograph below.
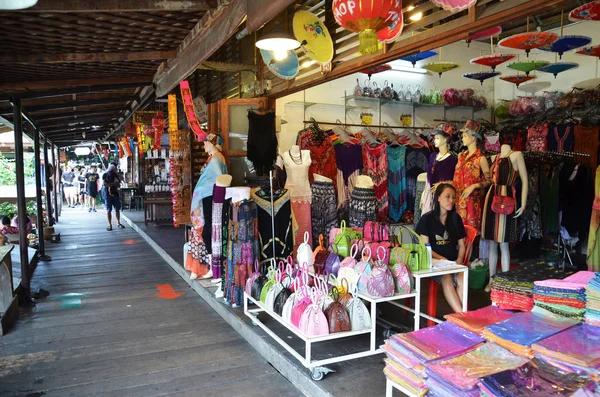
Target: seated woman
x=7 y=228
x=443 y=228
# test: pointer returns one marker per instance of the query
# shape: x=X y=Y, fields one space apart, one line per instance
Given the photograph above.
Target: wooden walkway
x=103 y=331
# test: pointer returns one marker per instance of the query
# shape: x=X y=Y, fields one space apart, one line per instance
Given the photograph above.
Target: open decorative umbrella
x=528 y=41
x=440 y=67
x=391 y=33
x=419 y=56
x=558 y=67
x=481 y=76
x=587 y=12
x=492 y=60
x=486 y=34
x=454 y=5
x=593 y=51
x=517 y=79
x=286 y=68
x=567 y=43
x=313 y=37
x=532 y=88
x=527 y=66
x=376 y=69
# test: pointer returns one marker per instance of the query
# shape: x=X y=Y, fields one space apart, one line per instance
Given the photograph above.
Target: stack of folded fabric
x=534 y=379
x=458 y=376
x=575 y=350
x=513 y=290
x=408 y=353
x=564 y=298
x=475 y=321
x=519 y=332
x=592 y=296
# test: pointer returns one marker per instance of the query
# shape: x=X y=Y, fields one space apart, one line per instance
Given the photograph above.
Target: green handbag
x=416 y=253
x=268 y=285
x=343 y=240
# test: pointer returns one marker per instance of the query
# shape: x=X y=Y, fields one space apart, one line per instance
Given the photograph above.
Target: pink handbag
x=363 y=268
x=375 y=231
x=380 y=282
x=300 y=307
x=350 y=261
x=314 y=322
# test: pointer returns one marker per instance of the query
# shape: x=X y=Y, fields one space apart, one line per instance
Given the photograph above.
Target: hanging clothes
x=218 y=198
x=214 y=166
x=492 y=143
x=437 y=171
x=586 y=141
x=348 y=159
x=363 y=207
x=298 y=185
x=498 y=227
x=397 y=181
x=537 y=138
x=323 y=157
x=468 y=172
x=242 y=250
x=225 y=241
x=549 y=181
x=323 y=210
x=376 y=166
x=531 y=220
x=593 y=253
x=417 y=160
x=576 y=198
x=420 y=192
x=262 y=141
x=561 y=137
x=284 y=241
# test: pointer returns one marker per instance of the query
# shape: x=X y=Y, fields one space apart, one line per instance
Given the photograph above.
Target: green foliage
x=31 y=207
x=8 y=209
x=8 y=174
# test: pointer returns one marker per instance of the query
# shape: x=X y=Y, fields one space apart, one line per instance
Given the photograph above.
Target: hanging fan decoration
x=527 y=66
x=486 y=34
x=454 y=5
x=481 y=76
x=286 y=68
x=528 y=41
x=391 y=33
x=587 y=12
x=518 y=79
x=492 y=60
x=558 y=67
x=376 y=69
x=313 y=37
x=441 y=67
x=366 y=18
x=567 y=43
x=418 y=56
x=593 y=51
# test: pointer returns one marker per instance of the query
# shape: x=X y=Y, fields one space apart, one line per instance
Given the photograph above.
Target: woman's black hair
x=5 y=220
x=450 y=225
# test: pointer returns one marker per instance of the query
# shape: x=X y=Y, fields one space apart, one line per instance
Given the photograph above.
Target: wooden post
x=38 y=194
x=56 y=183
x=21 y=202
x=48 y=194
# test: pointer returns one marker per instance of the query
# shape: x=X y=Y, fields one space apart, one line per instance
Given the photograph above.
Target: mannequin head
x=443 y=135
x=213 y=144
x=471 y=133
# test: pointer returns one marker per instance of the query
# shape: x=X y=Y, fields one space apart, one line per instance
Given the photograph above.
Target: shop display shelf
x=317 y=368
x=391 y=385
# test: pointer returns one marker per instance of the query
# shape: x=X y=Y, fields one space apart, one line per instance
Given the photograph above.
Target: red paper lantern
x=367 y=17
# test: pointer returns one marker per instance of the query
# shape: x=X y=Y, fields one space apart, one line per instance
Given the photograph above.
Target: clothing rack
x=368 y=126
x=552 y=153
x=263 y=179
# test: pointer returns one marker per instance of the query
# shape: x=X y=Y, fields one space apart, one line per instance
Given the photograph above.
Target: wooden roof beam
x=121 y=6
x=66 y=123
x=78 y=57
x=73 y=104
x=17 y=86
x=54 y=116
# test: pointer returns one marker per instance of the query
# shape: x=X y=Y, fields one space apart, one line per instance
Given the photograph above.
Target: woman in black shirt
x=443 y=228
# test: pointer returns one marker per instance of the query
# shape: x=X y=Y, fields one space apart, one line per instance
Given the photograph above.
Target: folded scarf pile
x=519 y=332
x=592 y=296
x=563 y=298
x=513 y=290
x=475 y=321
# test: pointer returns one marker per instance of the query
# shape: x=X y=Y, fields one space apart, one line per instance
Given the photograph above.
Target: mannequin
x=441 y=164
x=364 y=182
x=498 y=228
x=363 y=202
x=323 y=208
x=471 y=176
x=217 y=256
x=198 y=260
x=297 y=163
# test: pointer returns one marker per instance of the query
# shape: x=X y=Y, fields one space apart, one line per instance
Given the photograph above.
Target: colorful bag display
x=358 y=313
x=313 y=321
x=375 y=231
x=337 y=316
x=380 y=282
x=363 y=268
x=304 y=254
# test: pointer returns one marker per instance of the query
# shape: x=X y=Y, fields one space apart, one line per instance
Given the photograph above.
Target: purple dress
x=440 y=171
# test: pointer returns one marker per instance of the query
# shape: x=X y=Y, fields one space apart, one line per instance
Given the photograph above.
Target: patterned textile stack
x=563 y=298
x=513 y=290
x=592 y=295
x=458 y=376
x=575 y=350
x=475 y=321
x=519 y=332
x=408 y=353
x=533 y=379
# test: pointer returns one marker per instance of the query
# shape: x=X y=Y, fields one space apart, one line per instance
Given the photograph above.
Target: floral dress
x=375 y=163
x=468 y=172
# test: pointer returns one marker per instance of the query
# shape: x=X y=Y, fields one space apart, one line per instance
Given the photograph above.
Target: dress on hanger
x=322 y=155
x=416 y=163
x=549 y=181
x=348 y=159
x=419 y=194
x=537 y=138
x=498 y=227
x=468 y=172
x=586 y=141
x=531 y=220
x=492 y=143
x=323 y=210
x=298 y=185
x=262 y=141
x=284 y=239
x=218 y=198
x=576 y=199
x=561 y=137
x=376 y=166
x=363 y=207
x=593 y=253
x=397 y=181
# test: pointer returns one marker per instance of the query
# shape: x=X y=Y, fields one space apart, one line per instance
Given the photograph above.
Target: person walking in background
x=81 y=182
x=68 y=179
x=110 y=193
x=92 y=188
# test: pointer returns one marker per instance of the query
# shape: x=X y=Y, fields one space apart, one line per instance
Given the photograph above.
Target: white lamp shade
x=277 y=41
x=16 y=4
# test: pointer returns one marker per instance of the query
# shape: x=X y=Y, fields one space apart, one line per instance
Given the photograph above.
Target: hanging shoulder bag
x=504 y=205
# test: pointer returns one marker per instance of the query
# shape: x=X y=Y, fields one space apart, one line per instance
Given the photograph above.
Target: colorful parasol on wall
x=481 y=76
x=527 y=66
x=454 y=5
x=558 y=67
x=440 y=67
x=419 y=56
x=532 y=88
x=313 y=37
x=567 y=43
x=528 y=41
x=593 y=51
x=376 y=69
x=517 y=79
x=392 y=32
x=587 y=12
x=492 y=60
x=286 y=68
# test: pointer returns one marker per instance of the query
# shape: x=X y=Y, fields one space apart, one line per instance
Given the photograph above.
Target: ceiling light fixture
x=410 y=8
x=16 y=4
x=278 y=42
x=416 y=17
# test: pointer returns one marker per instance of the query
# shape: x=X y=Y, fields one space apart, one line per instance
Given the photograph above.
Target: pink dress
x=375 y=164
